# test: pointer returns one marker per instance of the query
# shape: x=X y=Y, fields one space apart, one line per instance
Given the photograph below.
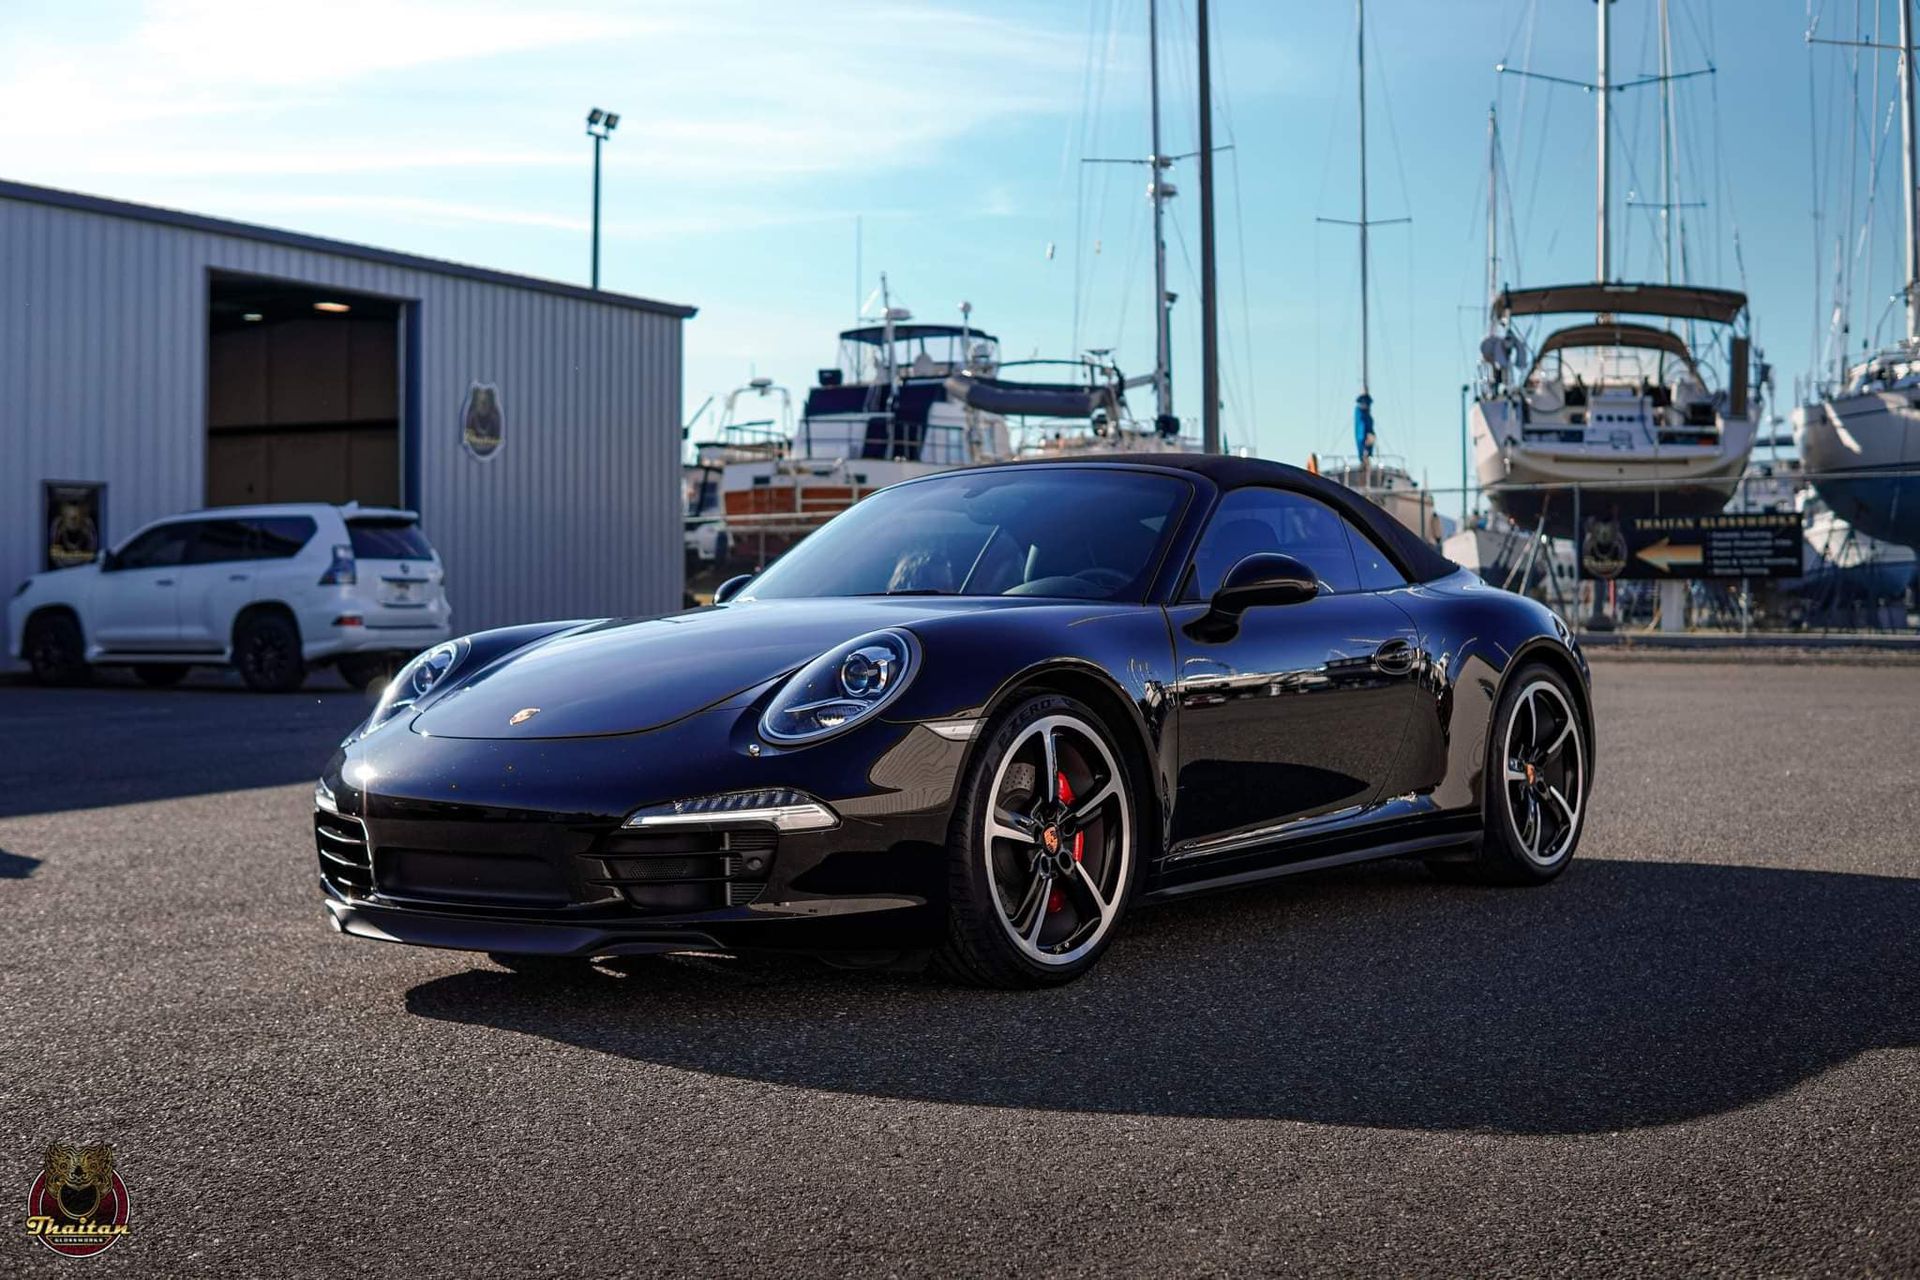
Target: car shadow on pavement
x=16 y=866
x=1627 y=994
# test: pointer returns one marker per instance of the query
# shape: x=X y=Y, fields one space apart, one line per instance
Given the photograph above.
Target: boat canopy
x=1616 y=335
x=878 y=334
x=1034 y=399
x=1680 y=302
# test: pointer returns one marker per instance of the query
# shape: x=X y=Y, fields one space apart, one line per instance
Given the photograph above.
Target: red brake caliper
x=1064 y=790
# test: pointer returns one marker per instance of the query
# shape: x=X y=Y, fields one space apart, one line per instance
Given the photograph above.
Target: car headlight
x=842 y=687
x=416 y=680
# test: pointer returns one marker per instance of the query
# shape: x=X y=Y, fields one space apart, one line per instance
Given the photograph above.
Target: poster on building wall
x=73 y=513
x=482 y=420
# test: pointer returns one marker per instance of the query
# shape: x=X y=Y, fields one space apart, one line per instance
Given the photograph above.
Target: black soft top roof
x=1420 y=562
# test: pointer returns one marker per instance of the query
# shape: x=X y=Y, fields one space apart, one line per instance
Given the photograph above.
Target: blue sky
x=755 y=133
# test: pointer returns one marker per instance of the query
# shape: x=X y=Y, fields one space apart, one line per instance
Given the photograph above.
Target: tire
x=1538 y=779
x=1038 y=876
x=160 y=675
x=56 y=649
x=364 y=671
x=266 y=649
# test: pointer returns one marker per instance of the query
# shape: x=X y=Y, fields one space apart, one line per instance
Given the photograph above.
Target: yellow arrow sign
x=1665 y=556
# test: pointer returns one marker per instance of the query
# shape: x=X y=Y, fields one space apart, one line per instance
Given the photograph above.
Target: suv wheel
x=364 y=671
x=267 y=650
x=57 y=651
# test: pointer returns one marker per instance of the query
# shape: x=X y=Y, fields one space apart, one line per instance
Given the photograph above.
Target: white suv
x=271 y=590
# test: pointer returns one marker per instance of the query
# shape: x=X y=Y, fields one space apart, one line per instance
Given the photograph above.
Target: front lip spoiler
x=521 y=937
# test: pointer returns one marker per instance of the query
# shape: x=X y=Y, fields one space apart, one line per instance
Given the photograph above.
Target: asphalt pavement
x=1696 y=1053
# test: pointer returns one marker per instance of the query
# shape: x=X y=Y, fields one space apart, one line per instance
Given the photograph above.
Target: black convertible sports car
x=979 y=715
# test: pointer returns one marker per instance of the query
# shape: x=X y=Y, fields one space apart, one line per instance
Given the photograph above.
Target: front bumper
x=520 y=846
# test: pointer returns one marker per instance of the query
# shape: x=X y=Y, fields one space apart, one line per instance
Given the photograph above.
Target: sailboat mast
x=1360 y=13
x=1209 y=302
x=1493 y=207
x=1603 y=112
x=1666 y=140
x=1907 y=170
x=1163 y=338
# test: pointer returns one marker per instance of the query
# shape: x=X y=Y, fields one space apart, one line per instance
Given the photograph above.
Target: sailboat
x=1384 y=479
x=1858 y=436
x=1614 y=400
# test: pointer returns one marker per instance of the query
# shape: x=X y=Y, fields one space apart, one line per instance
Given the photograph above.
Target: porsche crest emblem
x=523 y=715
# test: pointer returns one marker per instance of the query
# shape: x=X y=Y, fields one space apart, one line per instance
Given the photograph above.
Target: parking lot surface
x=1698 y=1052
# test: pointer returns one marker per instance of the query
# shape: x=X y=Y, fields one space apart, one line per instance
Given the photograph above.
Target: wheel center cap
x=1533 y=775
x=1050 y=838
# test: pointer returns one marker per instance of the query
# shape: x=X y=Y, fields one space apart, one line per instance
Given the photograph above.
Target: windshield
x=1015 y=530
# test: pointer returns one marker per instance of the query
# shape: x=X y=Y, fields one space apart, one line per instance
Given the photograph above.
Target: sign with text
x=1749 y=544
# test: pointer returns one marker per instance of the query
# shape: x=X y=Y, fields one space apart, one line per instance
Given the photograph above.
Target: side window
x=1250 y=521
x=280 y=537
x=220 y=541
x=159 y=547
x=1376 y=571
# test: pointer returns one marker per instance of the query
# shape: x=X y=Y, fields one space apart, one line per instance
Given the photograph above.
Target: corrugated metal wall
x=103 y=357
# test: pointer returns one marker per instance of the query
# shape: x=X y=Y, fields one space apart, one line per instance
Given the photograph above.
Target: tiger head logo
x=79 y=1178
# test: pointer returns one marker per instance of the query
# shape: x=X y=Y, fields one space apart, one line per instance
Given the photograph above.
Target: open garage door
x=303 y=394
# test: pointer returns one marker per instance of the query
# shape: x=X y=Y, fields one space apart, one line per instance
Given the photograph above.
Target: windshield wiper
x=910 y=591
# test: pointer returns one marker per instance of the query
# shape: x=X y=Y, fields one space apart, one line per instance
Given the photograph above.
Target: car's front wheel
x=56 y=650
x=1042 y=848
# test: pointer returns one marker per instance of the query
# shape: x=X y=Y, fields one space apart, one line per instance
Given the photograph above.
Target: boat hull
x=1541 y=485
x=1845 y=441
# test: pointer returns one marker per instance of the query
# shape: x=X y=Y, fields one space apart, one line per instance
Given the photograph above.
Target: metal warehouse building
x=152 y=362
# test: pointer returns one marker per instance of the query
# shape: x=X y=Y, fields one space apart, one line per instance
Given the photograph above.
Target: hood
x=627 y=677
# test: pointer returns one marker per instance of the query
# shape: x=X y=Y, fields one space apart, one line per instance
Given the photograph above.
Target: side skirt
x=1437 y=843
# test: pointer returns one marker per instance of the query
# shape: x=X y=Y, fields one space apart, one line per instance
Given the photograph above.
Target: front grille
x=684 y=870
x=342 y=843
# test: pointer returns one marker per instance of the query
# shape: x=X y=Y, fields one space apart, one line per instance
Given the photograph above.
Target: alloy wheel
x=1546 y=775
x=1058 y=839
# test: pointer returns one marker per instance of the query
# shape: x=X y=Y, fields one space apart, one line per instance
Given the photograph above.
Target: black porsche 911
x=976 y=717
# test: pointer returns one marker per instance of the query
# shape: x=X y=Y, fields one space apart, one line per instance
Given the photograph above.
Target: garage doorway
x=303 y=394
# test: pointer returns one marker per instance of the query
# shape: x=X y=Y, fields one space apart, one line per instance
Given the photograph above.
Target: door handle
x=1394 y=658
x=236 y=577
x=163 y=582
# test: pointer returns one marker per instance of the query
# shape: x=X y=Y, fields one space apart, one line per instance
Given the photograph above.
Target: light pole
x=599 y=125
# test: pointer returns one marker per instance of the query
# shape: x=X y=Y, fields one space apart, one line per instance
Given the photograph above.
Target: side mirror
x=1264 y=579
x=731 y=587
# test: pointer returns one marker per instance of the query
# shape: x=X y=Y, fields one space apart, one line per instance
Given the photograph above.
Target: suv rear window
x=388 y=538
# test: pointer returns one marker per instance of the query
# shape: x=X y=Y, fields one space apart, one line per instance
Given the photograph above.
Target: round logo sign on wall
x=482 y=420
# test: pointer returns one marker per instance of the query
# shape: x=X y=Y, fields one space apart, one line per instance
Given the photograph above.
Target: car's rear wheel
x=364 y=671
x=1537 y=781
x=1042 y=848
x=160 y=675
x=56 y=650
x=266 y=649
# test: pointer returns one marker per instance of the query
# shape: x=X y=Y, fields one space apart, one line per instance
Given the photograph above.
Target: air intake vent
x=344 y=862
x=685 y=870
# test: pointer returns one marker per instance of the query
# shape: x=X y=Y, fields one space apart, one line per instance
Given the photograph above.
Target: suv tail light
x=341 y=573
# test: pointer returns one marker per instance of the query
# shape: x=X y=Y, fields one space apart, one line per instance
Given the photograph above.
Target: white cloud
x=380 y=96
